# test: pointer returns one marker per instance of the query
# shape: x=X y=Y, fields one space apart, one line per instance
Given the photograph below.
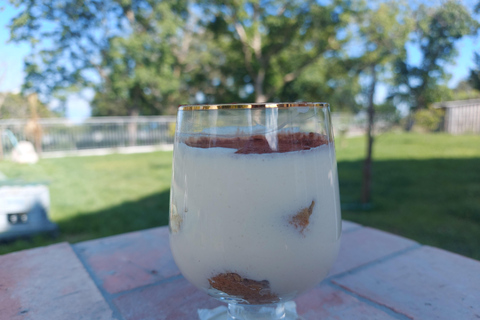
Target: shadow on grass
x=433 y=201
x=148 y=212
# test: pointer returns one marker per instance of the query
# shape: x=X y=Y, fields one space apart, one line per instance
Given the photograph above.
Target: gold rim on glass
x=251 y=105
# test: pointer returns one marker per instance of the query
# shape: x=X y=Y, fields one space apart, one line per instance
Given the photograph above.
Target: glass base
x=280 y=311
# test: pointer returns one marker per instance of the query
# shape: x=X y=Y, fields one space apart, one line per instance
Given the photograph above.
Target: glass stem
x=260 y=312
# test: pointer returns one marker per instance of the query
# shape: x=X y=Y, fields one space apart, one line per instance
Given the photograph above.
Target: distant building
x=462 y=116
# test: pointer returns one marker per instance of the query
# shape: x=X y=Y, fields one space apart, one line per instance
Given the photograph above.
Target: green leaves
x=268 y=45
x=129 y=52
x=149 y=56
x=15 y=106
x=474 y=78
x=437 y=30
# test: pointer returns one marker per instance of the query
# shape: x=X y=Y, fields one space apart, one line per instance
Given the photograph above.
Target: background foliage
x=146 y=56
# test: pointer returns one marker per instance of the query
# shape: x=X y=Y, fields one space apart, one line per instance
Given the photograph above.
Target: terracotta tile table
x=132 y=276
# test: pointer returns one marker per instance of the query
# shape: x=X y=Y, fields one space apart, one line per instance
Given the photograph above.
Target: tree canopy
x=147 y=56
x=267 y=45
x=437 y=29
x=137 y=55
x=15 y=106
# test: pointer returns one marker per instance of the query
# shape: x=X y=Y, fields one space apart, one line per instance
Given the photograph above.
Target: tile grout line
x=109 y=297
x=328 y=280
x=140 y=288
x=384 y=308
x=381 y=307
x=115 y=312
x=375 y=262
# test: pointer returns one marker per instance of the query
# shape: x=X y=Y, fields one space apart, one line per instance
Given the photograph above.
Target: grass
x=93 y=197
x=425 y=187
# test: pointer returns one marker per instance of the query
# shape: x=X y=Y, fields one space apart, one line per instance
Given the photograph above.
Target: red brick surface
x=180 y=300
x=377 y=276
x=176 y=299
x=131 y=260
x=48 y=283
x=326 y=302
x=425 y=283
x=365 y=245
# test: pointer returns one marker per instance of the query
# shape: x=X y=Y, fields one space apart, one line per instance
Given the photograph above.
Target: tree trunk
x=33 y=127
x=258 y=85
x=260 y=97
x=132 y=127
x=367 y=165
x=259 y=81
x=1 y=143
x=410 y=121
x=419 y=104
x=2 y=98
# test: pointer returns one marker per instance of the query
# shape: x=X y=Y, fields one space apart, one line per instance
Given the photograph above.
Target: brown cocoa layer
x=252 y=291
x=258 y=144
x=301 y=220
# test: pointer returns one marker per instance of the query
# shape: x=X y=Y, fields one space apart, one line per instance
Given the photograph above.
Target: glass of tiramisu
x=255 y=211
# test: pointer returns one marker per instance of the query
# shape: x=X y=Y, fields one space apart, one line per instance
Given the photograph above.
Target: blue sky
x=11 y=64
x=11 y=55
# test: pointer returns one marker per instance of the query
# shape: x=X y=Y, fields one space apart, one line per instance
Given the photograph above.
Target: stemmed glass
x=255 y=211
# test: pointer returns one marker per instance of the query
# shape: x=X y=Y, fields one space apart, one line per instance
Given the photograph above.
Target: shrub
x=429 y=119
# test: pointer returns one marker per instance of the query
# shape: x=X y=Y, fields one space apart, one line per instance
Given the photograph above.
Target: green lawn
x=94 y=197
x=425 y=187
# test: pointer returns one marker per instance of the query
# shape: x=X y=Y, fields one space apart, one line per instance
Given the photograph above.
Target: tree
x=2 y=96
x=15 y=106
x=267 y=45
x=330 y=79
x=474 y=78
x=382 y=33
x=437 y=30
x=2 y=99
x=465 y=90
x=136 y=55
x=151 y=70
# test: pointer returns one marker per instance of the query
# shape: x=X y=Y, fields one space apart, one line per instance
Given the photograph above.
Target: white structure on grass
x=462 y=116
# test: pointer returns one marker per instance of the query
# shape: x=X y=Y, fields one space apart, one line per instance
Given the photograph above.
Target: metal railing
x=58 y=135
x=103 y=135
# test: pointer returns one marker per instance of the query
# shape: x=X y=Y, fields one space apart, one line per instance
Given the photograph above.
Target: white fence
x=463 y=119
x=461 y=116
x=60 y=137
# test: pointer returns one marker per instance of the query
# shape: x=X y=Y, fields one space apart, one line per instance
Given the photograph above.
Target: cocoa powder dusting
x=258 y=144
x=252 y=291
x=301 y=220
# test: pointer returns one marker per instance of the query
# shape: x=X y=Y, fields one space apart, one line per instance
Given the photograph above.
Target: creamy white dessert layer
x=231 y=213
